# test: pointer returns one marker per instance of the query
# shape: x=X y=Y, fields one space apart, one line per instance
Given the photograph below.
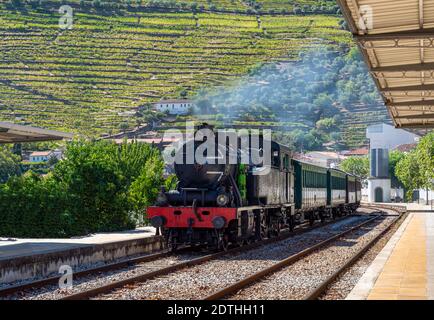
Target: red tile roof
x=41 y=153
x=406 y=147
x=358 y=152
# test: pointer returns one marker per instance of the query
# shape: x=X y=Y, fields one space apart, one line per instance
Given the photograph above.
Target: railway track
x=322 y=286
x=194 y=278
x=22 y=288
x=173 y=268
x=156 y=265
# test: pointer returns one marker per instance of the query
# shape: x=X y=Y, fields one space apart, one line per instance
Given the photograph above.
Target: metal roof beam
x=418 y=103
x=416 y=116
x=416 y=125
x=425 y=87
x=422 y=34
x=405 y=68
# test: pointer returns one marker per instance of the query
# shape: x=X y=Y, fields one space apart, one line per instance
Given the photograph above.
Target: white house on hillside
x=44 y=156
x=40 y=156
x=175 y=107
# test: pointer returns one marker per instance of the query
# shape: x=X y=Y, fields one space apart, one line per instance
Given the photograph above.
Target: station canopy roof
x=14 y=133
x=396 y=38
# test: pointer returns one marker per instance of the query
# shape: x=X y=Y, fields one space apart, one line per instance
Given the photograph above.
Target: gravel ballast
x=199 y=281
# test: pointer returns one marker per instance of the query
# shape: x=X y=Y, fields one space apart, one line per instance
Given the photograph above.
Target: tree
x=297 y=10
x=99 y=187
x=425 y=156
x=394 y=158
x=123 y=126
x=326 y=124
x=9 y=165
x=194 y=6
x=408 y=172
x=98 y=176
x=358 y=166
x=52 y=161
x=145 y=189
x=416 y=169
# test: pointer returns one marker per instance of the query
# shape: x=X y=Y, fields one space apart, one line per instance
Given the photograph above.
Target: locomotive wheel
x=246 y=242
x=321 y=216
x=311 y=220
x=291 y=223
x=173 y=245
x=275 y=229
x=278 y=228
x=223 y=243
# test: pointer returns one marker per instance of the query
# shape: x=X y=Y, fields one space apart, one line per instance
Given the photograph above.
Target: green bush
x=99 y=187
x=9 y=164
x=31 y=206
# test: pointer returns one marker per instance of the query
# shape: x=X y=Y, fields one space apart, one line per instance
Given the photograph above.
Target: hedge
x=93 y=190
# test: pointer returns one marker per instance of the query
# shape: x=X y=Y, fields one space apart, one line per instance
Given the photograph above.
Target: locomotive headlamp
x=158 y=221
x=222 y=200
x=218 y=222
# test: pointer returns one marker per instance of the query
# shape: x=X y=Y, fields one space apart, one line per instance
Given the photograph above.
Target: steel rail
x=107 y=267
x=87 y=294
x=283 y=263
x=396 y=208
x=315 y=293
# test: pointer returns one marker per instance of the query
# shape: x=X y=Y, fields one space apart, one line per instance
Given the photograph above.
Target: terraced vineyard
x=357 y=118
x=84 y=79
x=233 y=6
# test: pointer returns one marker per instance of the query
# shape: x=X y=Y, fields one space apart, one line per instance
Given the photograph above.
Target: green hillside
x=120 y=55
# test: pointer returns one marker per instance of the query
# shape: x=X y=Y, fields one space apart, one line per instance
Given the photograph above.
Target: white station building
x=174 y=107
x=382 y=138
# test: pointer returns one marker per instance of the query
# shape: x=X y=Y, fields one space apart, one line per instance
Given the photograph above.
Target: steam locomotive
x=220 y=203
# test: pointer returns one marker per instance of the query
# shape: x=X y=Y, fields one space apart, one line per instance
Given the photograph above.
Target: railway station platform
x=22 y=259
x=404 y=269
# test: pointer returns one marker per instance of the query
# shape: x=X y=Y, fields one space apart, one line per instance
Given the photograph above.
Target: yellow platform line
x=404 y=275
x=430 y=254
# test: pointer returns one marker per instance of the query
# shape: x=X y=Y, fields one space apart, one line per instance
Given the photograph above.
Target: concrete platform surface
x=25 y=259
x=13 y=248
x=404 y=269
